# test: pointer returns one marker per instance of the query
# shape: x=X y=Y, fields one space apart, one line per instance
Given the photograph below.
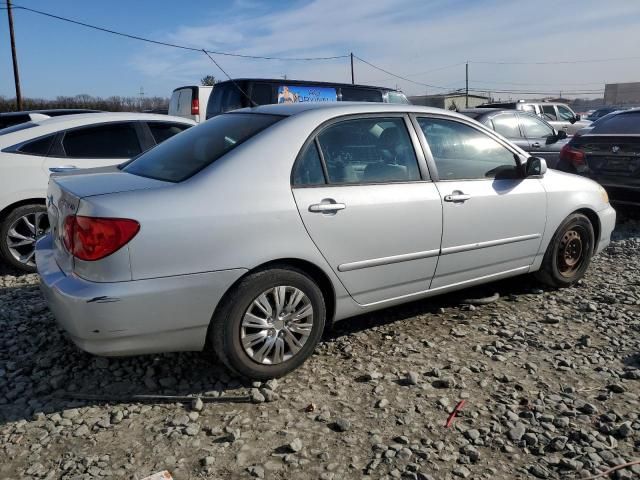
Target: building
x=622 y=93
x=449 y=101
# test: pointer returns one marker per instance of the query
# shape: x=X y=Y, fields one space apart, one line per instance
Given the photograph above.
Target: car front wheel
x=18 y=235
x=569 y=252
x=269 y=324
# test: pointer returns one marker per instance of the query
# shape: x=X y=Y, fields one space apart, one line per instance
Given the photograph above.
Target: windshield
x=185 y=154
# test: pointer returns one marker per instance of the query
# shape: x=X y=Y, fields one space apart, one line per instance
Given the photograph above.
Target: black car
x=248 y=92
x=601 y=112
x=526 y=130
x=609 y=154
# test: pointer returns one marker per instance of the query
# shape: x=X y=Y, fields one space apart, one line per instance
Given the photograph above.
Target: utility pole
x=16 y=75
x=352 y=79
x=466 y=89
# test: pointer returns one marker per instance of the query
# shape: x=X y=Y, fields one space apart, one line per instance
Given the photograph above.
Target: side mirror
x=575 y=118
x=561 y=134
x=536 y=167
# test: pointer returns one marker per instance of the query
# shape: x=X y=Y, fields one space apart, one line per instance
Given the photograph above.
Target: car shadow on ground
x=42 y=371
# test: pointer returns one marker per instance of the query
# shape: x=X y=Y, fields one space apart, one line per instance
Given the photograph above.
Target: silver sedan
x=252 y=232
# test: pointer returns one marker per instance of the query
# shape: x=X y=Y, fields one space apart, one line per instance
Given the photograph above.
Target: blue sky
x=411 y=37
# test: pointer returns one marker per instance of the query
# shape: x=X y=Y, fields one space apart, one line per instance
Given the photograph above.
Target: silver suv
x=559 y=115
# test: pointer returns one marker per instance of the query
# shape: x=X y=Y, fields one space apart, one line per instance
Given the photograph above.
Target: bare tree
x=208 y=81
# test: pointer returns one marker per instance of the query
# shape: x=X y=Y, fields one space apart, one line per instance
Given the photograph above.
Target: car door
x=543 y=139
x=507 y=125
x=365 y=197
x=568 y=117
x=493 y=217
x=550 y=114
x=94 y=146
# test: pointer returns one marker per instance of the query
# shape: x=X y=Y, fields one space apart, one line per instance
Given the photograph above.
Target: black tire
x=562 y=265
x=225 y=329
x=21 y=211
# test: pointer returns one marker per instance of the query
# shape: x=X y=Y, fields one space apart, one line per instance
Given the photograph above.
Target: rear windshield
x=622 y=123
x=397 y=97
x=186 y=154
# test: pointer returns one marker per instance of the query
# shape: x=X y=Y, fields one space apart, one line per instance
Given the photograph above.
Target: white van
x=187 y=101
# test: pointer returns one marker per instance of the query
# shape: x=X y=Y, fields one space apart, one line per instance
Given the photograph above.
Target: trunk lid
x=612 y=155
x=66 y=191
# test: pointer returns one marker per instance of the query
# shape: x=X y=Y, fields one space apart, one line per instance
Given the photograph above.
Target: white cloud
x=413 y=36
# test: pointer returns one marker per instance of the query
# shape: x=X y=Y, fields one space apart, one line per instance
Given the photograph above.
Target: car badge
x=615 y=149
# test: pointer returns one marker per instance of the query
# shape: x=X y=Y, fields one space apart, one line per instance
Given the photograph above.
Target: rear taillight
x=195 y=106
x=92 y=238
x=572 y=155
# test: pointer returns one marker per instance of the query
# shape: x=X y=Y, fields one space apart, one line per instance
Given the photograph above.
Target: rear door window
x=506 y=124
x=41 y=146
x=262 y=93
x=350 y=94
x=185 y=155
x=308 y=169
x=102 y=141
x=549 y=112
x=369 y=150
x=162 y=131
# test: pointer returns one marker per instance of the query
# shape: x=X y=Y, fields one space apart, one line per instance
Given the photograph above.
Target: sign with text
x=302 y=94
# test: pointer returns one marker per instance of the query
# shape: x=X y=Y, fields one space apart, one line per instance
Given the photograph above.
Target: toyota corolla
x=252 y=231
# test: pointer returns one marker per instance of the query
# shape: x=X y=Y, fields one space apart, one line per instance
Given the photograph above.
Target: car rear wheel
x=569 y=252
x=269 y=324
x=18 y=235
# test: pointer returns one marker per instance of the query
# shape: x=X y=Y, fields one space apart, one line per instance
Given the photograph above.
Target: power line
x=401 y=77
x=174 y=45
x=493 y=82
x=556 y=62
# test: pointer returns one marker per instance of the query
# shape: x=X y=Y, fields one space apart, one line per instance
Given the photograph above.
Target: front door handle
x=327 y=206
x=63 y=168
x=535 y=144
x=457 y=197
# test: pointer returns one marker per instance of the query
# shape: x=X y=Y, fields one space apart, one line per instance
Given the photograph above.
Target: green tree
x=208 y=81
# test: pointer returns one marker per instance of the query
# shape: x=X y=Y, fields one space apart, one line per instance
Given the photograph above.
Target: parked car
x=610 y=155
x=527 y=131
x=601 y=112
x=255 y=229
x=13 y=118
x=559 y=115
x=29 y=152
x=590 y=127
x=248 y=92
x=187 y=101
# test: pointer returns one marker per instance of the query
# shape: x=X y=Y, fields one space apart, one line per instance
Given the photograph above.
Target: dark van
x=228 y=95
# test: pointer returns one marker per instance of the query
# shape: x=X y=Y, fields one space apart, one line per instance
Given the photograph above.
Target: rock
x=444 y=382
x=342 y=425
x=197 y=404
x=382 y=403
x=412 y=378
x=295 y=445
x=256 y=471
x=462 y=472
x=472 y=434
x=81 y=431
x=256 y=396
x=208 y=461
x=516 y=433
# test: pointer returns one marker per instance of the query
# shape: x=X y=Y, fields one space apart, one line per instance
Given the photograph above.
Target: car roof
x=340 y=108
x=55 y=124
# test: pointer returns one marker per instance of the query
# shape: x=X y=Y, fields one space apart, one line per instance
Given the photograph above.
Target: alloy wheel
x=23 y=234
x=276 y=325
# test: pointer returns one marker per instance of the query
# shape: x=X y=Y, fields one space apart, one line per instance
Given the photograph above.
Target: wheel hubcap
x=23 y=234
x=276 y=325
x=570 y=253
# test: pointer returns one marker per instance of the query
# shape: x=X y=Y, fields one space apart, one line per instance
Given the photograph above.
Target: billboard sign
x=302 y=94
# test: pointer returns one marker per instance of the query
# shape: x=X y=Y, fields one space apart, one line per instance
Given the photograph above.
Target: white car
x=31 y=151
x=190 y=102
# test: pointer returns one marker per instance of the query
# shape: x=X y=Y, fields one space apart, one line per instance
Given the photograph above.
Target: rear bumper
x=607 y=224
x=133 y=317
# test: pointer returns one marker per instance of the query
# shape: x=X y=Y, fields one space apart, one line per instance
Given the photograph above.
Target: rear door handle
x=326 y=207
x=63 y=168
x=457 y=197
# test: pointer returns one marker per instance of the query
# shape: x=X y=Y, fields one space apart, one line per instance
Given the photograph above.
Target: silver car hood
x=100 y=181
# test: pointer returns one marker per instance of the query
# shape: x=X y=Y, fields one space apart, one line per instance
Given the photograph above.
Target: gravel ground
x=550 y=380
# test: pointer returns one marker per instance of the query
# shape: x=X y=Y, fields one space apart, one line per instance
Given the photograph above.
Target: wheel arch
x=307 y=267
x=6 y=211
x=595 y=223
